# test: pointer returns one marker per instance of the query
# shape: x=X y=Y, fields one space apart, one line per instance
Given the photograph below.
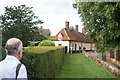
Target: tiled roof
x=72 y=35
x=44 y=31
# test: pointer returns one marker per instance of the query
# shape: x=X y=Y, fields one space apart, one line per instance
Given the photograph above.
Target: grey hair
x=13 y=48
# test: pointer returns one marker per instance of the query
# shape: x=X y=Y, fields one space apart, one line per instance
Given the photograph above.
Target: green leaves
x=19 y=21
x=46 y=43
x=102 y=21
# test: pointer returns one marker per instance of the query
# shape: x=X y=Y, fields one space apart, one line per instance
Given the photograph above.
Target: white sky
x=54 y=13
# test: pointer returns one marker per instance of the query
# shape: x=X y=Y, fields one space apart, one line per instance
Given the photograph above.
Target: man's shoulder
x=23 y=66
x=1 y=62
x=22 y=72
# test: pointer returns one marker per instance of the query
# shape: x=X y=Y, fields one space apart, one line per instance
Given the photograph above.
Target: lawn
x=80 y=66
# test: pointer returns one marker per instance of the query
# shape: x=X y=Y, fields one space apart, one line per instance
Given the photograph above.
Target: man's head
x=14 y=47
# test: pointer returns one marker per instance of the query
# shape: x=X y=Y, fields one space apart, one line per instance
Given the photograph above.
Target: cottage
x=73 y=39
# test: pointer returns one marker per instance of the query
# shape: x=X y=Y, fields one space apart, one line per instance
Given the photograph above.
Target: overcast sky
x=54 y=13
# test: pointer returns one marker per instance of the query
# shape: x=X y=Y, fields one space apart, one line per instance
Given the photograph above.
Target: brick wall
x=113 y=56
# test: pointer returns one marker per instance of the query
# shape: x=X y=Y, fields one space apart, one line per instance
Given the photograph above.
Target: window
x=59 y=44
x=60 y=37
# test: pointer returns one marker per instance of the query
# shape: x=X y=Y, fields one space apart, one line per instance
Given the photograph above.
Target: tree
x=101 y=21
x=37 y=36
x=72 y=28
x=20 y=22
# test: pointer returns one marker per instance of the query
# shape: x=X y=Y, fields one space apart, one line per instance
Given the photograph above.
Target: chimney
x=67 y=25
x=76 y=28
x=83 y=30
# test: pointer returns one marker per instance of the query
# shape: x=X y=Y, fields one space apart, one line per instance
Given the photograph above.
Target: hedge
x=2 y=53
x=46 y=43
x=43 y=62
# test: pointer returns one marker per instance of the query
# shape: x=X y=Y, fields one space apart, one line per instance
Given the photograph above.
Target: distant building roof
x=43 y=31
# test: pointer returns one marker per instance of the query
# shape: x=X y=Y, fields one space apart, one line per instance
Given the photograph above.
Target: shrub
x=46 y=43
x=2 y=53
x=43 y=61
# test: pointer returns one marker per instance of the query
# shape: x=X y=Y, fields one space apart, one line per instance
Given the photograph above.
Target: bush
x=43 y=61
x=2 y=53
x=104 y=56
x=46 y=43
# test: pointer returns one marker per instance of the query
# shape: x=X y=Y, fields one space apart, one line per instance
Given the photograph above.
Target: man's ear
x=20 y=54
x=20 y=51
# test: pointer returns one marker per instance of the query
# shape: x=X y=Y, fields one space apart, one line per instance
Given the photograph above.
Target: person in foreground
x=11 y=67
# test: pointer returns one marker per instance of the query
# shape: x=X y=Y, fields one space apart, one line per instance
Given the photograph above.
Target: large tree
x=102 y=22
x=19 y=21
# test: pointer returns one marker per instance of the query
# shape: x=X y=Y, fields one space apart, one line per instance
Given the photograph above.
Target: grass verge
x=79 y=66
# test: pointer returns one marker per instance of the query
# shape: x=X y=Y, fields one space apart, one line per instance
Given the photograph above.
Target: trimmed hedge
x=43 y=62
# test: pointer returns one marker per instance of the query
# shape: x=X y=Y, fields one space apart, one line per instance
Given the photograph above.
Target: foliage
x=46 y=43
x=48 y=37
x=52 y=37
x=72 y=28
x=2 y=53
x=19 y=21
x=101 y=21
x=117 y=53
x=43 y=62
x=104 y=56
x=37 y=36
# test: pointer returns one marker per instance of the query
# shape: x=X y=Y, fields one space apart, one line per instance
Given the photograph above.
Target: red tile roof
x=72 y=35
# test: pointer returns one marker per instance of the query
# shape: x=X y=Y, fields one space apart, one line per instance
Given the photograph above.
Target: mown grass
x=79 y=66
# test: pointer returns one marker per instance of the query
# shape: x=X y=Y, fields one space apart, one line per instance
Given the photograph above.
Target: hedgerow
x=46 y=43
x=43 y=62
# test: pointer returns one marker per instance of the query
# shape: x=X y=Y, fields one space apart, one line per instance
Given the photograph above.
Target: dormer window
x=60 y=37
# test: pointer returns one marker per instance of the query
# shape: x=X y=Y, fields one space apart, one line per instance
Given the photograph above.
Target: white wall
x=72 y=44
x=78 y=44
x=64 y=43
x=87 y=46
x=93 y=46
